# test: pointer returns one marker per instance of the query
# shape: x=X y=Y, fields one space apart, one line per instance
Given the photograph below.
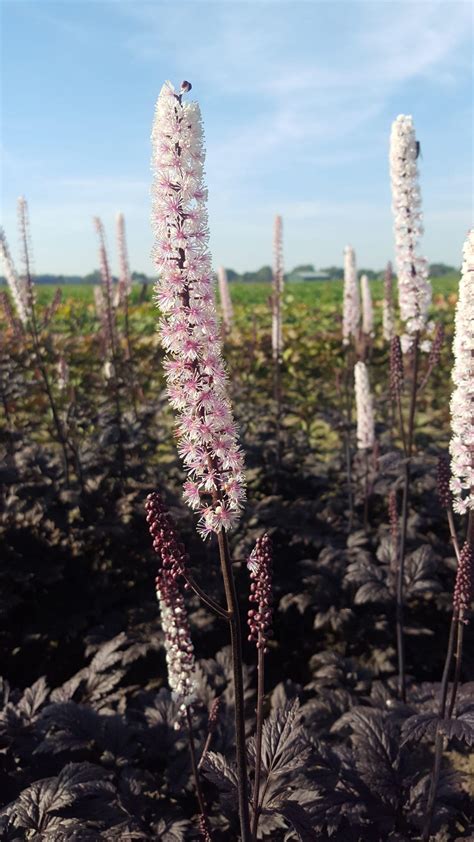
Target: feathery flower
x=464 y=584
x=260 y=565
x=367 y=309
x=461 y=446
x=278 y=281
x=226 y=301
x=388 y=321
x=13 y=281
x=26 y=279
x=105 y=303
x=351 y=304
x=414 y=288
x=178 y=645
x=125 y=278
x=195 y=371
x=364 y=408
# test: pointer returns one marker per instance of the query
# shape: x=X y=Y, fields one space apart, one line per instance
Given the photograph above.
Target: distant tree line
x=263 y=275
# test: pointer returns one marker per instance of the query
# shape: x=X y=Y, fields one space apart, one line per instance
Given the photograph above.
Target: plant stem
x=439 y=740
x=278 y=414
x=258 y=736
x=366 y=493
x=197 y=782
x=236 y=644
x=452 y=532
x=456 y=637
x=403 y=532
x=457 y=670
x=211 y=603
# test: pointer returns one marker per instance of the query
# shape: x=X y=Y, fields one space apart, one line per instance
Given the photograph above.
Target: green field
x=311 y=293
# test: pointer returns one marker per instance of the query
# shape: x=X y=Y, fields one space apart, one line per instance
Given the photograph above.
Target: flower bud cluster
x=414 y=288
x=462 y=400
x=125 y=279
x=388 y=321
x=260 y=564
x=194 y=368
x=364 y=408
x=396 y=369
x=166 y=542
x=464 y=584
x=443 y=477
x=351 y=303
x=178 y=644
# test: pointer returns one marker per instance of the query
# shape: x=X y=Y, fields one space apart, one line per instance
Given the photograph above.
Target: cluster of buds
x=178 y=645
x=396 y=369
x=393 y=517
x=414 y=288
x=260 y=565
x=351 y=303
x=364 y=408
x=104 y=300
x=166 y=542
x=388 y=321
x=443 y=477
x=125 y=278
x=464 y=584
x=462 y=400
x=194 y=368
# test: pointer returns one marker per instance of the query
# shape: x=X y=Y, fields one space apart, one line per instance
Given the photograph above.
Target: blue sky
x=297 y=100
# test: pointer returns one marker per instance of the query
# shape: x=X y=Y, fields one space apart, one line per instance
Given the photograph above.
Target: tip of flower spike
x=186 y=86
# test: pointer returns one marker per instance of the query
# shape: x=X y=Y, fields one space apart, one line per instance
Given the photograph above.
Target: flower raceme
x=260 y=565
x=278 y=283
x=364 y=408
x=351 y=304
x=387 y=317
x=13 y=280
x=462 y=400
x=367 y=308
x=194 y=368
x=178 y=644
x=414 y=288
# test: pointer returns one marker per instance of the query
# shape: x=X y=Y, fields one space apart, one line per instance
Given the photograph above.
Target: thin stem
x=278 y=414
x=439 y=740
x=452 y=532
x=366 y=493
x=236 y=644
x=456 y=637
x=259 y=732
x=197 y=781
x=347 y=409
x=403 y=535
x=457 y=670
x=211 y=603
